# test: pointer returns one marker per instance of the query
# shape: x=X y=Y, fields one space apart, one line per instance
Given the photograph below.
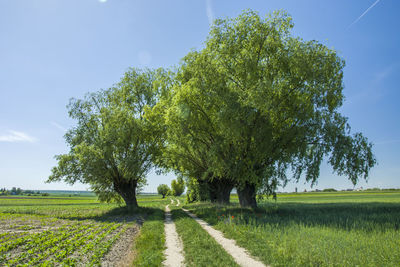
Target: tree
x=16 y=191
x=193 y=140
x=256 y=103
x=112 y=145
x=177 y=186
x=163 y=190
x=288 y=95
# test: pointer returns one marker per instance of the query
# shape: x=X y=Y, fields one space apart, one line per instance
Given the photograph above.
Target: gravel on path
x=174 y=251
x=239 y=254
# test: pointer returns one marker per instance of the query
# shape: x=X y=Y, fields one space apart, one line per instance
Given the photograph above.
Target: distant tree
x=192 y=191
x=329 y=190
x=163 y=190
x=4 y=191
x=16 y=191
x=112 y=145
x=178 y=186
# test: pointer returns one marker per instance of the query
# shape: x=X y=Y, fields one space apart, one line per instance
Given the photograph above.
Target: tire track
x=239 y=254
x=174 y=252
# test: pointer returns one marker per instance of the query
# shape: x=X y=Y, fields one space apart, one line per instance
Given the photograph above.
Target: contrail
x=363 y=14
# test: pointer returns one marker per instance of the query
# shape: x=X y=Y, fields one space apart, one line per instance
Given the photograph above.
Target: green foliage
x=256 y=103
x=329 y=190
x=196 y=191
x=177 y=186
x=16 y=191
x=193 y=190
x=112 y=145
x=163 y=190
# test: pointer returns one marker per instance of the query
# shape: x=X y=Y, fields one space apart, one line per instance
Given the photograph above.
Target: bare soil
x=121 y=253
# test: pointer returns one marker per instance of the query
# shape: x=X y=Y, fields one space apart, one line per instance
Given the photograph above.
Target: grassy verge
x=199 y=247
x=149 y=245
x=313 y=234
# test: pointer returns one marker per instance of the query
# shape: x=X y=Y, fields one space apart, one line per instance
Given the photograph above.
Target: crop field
x=315 y=229
x=55 y=230
x=304 y=229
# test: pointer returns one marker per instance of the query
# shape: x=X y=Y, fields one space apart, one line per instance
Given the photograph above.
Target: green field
x=305 y=229
x=62 y=230
x=315 y=229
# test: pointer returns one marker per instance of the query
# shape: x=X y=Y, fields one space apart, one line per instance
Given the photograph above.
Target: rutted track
x=240 y=255
x=174 y=251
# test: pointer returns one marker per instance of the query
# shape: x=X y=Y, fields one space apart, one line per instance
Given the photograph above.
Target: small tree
x=178 y=186
x=163 y=190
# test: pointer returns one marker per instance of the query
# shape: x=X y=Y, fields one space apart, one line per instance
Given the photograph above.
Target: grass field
x=315 y=229
x=305 y=229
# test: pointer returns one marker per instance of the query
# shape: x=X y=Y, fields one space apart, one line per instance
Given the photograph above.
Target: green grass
x=304 y=229
x=200 y=249
x=149 y=245
x=317 y=229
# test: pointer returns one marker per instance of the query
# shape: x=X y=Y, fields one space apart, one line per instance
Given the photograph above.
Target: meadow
x=315 y=229
x=304 y=229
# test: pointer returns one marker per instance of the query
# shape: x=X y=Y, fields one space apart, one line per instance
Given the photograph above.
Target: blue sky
x=53 y=50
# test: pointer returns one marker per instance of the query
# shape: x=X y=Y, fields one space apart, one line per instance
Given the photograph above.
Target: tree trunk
x=127 y=190
x=247 y=196
x=220 y=190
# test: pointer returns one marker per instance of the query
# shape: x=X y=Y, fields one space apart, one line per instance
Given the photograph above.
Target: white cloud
x=102 y=1
x=363 y=14
x=210 y=12
x=14 y=136
x=58 y=126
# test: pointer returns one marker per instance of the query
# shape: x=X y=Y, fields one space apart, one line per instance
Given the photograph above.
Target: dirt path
x=239 y=254
x=177 y=204
x=173 y=253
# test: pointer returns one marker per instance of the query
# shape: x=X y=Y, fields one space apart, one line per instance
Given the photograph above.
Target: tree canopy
x=163 y=190
x=256 y=104
x=177 y=186
x=252 y=109
x=112 y=146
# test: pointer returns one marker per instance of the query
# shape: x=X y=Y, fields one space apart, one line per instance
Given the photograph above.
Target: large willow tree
x=256 y=104
x=112 y=146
